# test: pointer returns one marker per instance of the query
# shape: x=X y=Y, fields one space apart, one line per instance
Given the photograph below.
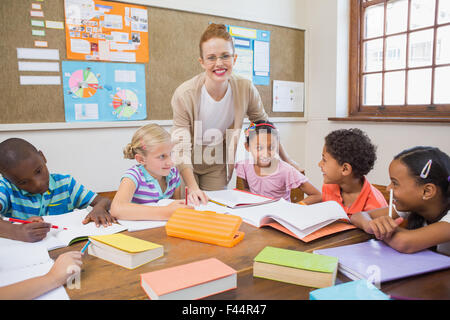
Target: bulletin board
x=173 y=51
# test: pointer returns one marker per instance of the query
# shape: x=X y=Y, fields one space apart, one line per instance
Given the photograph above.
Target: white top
x=443 y=247
x=215 y=116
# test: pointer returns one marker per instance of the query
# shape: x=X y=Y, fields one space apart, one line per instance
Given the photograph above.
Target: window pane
x=373 y=55
x=394 y=88
x=395 y=52
x=396 y=16
x=444 y=11
x=372 y=89
x=443 y=45
x=422 y=13
x=441 y=82
x=419 y=86
x=373 y=21
x=421 y=48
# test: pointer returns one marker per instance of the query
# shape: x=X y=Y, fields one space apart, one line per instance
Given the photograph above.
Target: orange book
x=205 y=226
x=190 y=281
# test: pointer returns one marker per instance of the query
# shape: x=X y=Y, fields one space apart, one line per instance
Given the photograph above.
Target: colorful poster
x=101 y=91
x=253 y=53
x=106 y=31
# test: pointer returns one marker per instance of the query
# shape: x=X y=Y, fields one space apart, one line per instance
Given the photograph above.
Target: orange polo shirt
x=369 y=198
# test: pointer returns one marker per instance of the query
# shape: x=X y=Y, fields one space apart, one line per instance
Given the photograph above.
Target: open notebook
x=76 y=230
x=299 y=220
x=235 y=199
x=22 y=261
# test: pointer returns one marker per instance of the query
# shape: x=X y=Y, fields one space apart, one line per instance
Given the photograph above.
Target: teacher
x=208 y=112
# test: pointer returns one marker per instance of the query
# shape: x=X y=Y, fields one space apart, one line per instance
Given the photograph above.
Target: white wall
x=327 y=25
x=94 y=155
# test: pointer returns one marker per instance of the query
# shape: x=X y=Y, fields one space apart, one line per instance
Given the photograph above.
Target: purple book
x=376 y=261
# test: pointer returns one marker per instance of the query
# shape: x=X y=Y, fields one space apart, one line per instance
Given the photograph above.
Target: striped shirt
x=64 y=195
x=148 y=189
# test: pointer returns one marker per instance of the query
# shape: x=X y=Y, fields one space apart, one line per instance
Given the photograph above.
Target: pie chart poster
x=100 y=91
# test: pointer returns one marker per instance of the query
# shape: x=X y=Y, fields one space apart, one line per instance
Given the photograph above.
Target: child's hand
x=35 y=219
x=65 y=265
x=32 y=232
x=197 y=197
x=382 y=227
x=176 y=205
x=100 y=216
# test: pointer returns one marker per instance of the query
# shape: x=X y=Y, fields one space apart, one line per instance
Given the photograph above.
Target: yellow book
x=123 y=250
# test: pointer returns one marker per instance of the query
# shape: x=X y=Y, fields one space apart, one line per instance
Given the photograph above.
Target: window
x=400 y=58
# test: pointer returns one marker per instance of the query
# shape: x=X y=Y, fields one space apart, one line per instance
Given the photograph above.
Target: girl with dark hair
x=420 y=179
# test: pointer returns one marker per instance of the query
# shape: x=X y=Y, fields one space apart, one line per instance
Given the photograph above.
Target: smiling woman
x=208 y=112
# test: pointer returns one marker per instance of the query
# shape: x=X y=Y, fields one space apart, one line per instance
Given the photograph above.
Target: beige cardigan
x=186 y=104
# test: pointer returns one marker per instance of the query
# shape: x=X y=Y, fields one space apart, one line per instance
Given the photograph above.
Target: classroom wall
x=94 y=155
x=327 y=22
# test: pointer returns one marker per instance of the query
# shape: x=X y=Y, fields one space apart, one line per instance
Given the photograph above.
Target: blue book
x=353 y=290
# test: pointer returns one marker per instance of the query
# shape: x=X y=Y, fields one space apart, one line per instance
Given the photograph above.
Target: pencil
x=390 y=202
x=185 y=195
x=85 y=246
x=26 y=221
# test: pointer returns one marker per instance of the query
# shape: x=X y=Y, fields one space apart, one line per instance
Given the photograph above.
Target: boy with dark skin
x=25 y=173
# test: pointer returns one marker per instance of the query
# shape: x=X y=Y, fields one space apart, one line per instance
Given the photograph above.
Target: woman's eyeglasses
x=225 y=57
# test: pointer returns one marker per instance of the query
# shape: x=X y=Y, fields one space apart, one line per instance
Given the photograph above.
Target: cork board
x=173 y=45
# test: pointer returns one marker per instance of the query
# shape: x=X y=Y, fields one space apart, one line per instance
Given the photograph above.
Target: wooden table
x=103 y=280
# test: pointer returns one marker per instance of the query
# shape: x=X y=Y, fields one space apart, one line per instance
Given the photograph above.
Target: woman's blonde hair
x=144 y=138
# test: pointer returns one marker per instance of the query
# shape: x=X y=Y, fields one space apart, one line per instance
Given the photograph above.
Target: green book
x=296 y=267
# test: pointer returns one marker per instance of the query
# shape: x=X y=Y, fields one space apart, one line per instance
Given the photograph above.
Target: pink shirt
x=277 y=185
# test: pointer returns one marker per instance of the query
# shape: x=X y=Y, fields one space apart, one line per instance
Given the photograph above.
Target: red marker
x=25 y=221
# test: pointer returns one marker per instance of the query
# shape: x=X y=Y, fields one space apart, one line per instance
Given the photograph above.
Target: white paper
x=22 y=260
x=40 y=80
x=36 y=13
x=39 y=54
x=37 y=23
x=262 y=56
x=125 y=75
x=243 y=32
x=80 y=46
x=244 y=63
x=41 y=44
x=103 y=50
x=113 y=21
x=119 y=36
x=38 y=66
x=86 y=111
x=288 y=96
x=54 y=24
x=123 y=56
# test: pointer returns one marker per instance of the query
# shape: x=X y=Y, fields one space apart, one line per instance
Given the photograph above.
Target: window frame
x=432 y=112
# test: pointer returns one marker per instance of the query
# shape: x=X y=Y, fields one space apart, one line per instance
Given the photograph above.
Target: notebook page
x=136 y=225
x=233 y=197
x=22 y=261
x=75 y=228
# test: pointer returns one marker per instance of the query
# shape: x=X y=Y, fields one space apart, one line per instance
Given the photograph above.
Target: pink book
x=190 y=281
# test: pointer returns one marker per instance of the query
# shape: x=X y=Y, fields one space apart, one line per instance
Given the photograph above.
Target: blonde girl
x=153 y=178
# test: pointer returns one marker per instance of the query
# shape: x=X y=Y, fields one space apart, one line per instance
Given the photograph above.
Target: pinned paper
x=288 y=96
x=36 y=6
x=38 y=66
x=39 y=54
x=43 y=44
x=54 y=24
x=37 y=23
x=34 y=13
x=40 y=80
x=36 y=32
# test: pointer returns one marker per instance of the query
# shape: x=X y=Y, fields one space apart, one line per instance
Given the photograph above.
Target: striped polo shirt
x=148 y=189
x=64 y=195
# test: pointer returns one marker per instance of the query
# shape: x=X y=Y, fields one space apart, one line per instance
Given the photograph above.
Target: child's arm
x=410 y=241
x=123 y=208
x=377 y=222
x=314 y=195
x=29 y=232
x=34 y=287
x=100 y=212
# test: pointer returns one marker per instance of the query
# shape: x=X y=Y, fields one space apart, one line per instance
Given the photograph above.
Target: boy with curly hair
x=348 y=155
